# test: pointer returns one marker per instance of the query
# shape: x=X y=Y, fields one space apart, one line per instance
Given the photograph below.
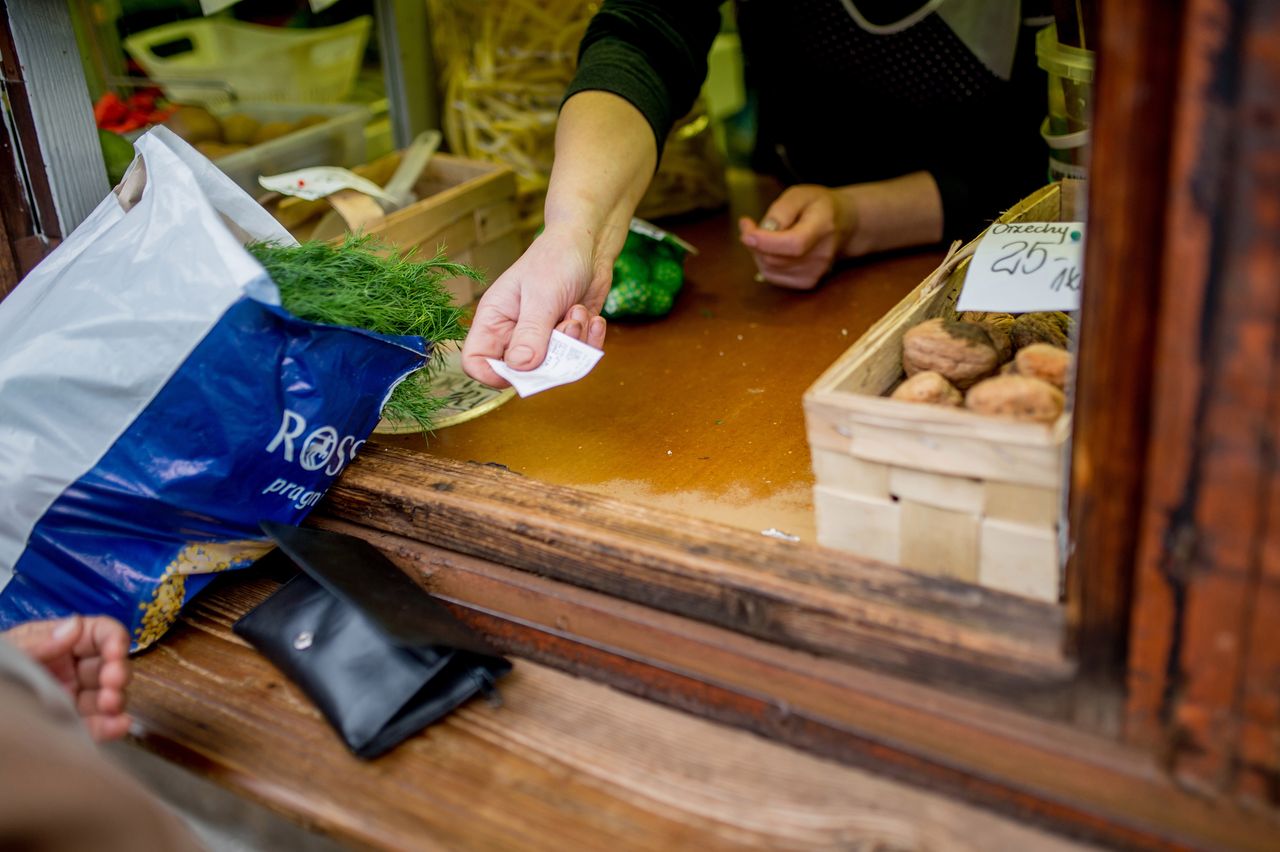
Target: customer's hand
x=89 y=656
x=801 y=235
x=556 y=283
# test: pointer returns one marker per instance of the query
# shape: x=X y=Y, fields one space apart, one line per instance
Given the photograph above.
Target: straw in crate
x=504 y=68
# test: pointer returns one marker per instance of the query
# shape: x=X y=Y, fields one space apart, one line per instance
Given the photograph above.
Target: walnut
x=929 y=387
x=997 y=325
x=996 y=318
x=1042 y=361
x=961 y=351
x=1017 y=397
x=1037 y=328
x=1061 y=319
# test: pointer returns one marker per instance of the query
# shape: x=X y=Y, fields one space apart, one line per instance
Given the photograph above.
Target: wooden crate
x=936 y=489
x=465 y=206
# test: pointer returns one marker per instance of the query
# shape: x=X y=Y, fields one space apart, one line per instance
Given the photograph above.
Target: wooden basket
x=937 y=489
x=465 y=206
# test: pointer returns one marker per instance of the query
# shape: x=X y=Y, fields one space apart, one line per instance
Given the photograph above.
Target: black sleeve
x=986 y=166
x=974 y=194
x=653 y=53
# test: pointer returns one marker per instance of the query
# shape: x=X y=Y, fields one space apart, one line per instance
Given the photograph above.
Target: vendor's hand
x=89 y=657
x=554 y=284
x=801 y=236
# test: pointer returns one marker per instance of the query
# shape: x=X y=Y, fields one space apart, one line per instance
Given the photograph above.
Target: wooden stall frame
x=58 y=141
x=973 y=692
x=1135 y=95
x=28 y=215
x=1204 y=666
x=1166 y=487
x=1048 y=773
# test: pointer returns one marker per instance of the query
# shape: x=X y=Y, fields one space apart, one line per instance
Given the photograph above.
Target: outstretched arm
x=641 y=65
x=605 y=155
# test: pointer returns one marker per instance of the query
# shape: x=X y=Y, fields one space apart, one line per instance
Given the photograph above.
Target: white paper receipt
x=1027 y=266
x=567 y=361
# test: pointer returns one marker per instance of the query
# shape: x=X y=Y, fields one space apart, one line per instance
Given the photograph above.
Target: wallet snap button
x=303 y=640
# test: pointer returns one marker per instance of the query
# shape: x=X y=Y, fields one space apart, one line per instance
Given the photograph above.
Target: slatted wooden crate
x=937 y=489
x=465 y=206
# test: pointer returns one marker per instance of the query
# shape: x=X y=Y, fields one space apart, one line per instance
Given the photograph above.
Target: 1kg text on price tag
x=1025 y=266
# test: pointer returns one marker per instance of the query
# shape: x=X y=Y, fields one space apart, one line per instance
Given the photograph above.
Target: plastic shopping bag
x=156 y=403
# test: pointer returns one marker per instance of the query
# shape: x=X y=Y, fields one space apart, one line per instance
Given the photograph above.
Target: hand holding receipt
x=567 y=361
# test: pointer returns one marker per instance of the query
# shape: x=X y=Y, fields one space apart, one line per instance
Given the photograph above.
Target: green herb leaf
x=364 y=283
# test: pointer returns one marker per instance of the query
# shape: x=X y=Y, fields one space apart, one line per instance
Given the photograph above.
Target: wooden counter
x=564 y=764
x=701 y=413
x=698 y=412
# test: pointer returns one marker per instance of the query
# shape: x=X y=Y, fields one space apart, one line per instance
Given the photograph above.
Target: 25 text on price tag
x=1023 y=267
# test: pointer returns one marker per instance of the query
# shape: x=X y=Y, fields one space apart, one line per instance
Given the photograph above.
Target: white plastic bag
x=156 y=403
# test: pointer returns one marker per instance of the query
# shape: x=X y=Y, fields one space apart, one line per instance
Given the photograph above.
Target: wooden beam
x=1202 y=678
x=564 y=764
x=261 y=740
x=1123 y=274
x=835 y=604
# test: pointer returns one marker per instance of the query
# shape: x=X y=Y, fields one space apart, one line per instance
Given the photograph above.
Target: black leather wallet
x=378 y=656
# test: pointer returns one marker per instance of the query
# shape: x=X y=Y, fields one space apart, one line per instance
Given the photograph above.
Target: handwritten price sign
x=1028 y=266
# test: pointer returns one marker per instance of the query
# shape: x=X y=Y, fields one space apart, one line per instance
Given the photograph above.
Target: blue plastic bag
x=156 y=403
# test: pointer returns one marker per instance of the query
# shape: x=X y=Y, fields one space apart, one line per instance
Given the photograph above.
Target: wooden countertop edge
x=803 y=596
x=203 y=701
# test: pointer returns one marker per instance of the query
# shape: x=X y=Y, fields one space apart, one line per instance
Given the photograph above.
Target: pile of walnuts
x=989 y=363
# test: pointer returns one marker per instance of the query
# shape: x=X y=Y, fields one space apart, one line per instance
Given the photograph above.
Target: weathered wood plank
x=1205 y=529
x=937 y=630
x=469 y=187
x=564 y=764
x=1036 y=770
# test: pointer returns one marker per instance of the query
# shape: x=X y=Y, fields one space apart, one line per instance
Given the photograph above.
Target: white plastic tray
x=339 y=141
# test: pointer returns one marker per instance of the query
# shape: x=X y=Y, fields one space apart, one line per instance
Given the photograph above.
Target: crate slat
x=495 y=220
x=1023 y=504
x=867 y=479
x=957 y=493
x=967 y=456
x=861 y=524
x=1019 y=559
x=939 y=541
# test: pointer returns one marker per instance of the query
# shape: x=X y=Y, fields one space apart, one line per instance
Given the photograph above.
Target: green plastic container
x=1066 y=128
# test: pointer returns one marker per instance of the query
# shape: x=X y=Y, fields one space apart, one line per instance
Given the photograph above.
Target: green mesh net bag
x=647 y=274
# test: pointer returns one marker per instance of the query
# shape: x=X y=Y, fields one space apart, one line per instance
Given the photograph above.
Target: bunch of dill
x=366 y=284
